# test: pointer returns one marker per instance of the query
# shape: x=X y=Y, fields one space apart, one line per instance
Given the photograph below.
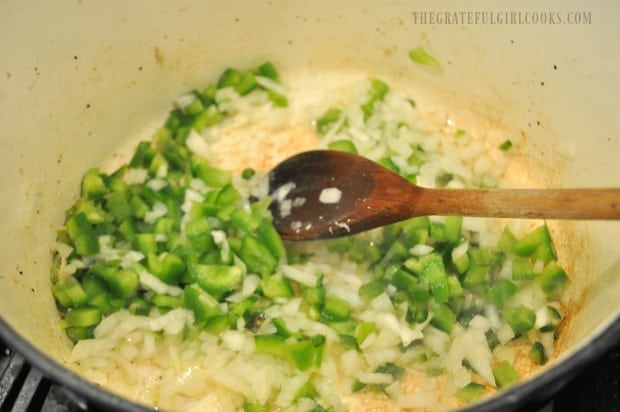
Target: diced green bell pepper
x=211 y=176
x=69 y=292
x=538 y=243
x=327 y=120
x=537 y=353
x=505 y=374
x=117 y=204
x=343 y=145
x=143 y=154
x=93 y=184
x=363 y=330
x=217 y=280
x=198 y=234
x=82 y=234
x=520 y=319
x=471 y=392
x=83 y=317
x=553 y=280
x=522 y=269
x=139 y=306
x=378 y=90
x=372 y=289
x=434 y=274
x=303 y=354
x=443 y=318
x=276 y=287
x=335 y=309
x=500 y=292
x=201 y=303
x=166 y=301
x=507 y=241
x=249 y=406
x=168 y=267
x=257 y=256
x=268 y=70
x=79 y=333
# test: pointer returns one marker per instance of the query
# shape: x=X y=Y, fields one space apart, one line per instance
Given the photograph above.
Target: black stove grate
x=24 y=389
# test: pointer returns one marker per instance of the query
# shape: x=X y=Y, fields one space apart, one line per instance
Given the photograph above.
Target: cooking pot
x=80 y=80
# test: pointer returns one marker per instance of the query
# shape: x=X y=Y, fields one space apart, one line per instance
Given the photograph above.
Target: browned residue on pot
x=159 y=55
x=263 y=147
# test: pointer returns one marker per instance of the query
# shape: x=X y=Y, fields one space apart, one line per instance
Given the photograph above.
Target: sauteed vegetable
x=178 y=291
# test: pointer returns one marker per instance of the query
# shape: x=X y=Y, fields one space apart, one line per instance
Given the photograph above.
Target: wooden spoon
x=325 y=194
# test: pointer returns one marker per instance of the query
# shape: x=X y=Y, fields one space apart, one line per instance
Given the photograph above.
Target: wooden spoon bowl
x=325 y=193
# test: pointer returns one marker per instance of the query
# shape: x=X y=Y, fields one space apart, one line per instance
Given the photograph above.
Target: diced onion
x=136 y=176
x=159 y=210
x=305 y=277
x=151 y=282
x=330 y=195
x=460 y=250
x=421 y=250
x=197 y=144
x=375 y=378
x=270 y=84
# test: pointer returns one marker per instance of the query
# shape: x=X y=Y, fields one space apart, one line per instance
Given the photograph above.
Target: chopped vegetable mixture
x=169 y=248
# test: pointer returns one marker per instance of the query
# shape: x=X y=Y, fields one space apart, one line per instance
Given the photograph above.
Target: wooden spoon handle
x=520 y=203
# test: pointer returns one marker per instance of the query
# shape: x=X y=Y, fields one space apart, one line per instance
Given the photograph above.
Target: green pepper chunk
x=306 y=354
x=145 y=151
x=217 y=280
x=258 y=258
x=93 y=184
x=270 y=345
x=372 y=289
x=166 y=301
x=303 y=354
x=363 y=330
x=201 y=303
x=83 y=317
x=470 y=392
x=443 y=318
x=139 y=306
x=69 y=293
x=335 y=309
x=434 y=274
x=195 y=106
x=537 y=353
x=268 y=70
x=378 y=90
x=211 y=176
x=276 y=287
x=421 y=56
x=505 y=374
x=168 y=267
x=229 y=78
x=553 y=280
x=522 y=269
x=500 y=292
x=537 y=241
x=79 y=333
x=249 y=406
x=506 y=144
x=520 y=319
x=507 y=241
x=82 y=234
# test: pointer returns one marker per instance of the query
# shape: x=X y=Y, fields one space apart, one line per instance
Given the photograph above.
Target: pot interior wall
x=81 y=78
